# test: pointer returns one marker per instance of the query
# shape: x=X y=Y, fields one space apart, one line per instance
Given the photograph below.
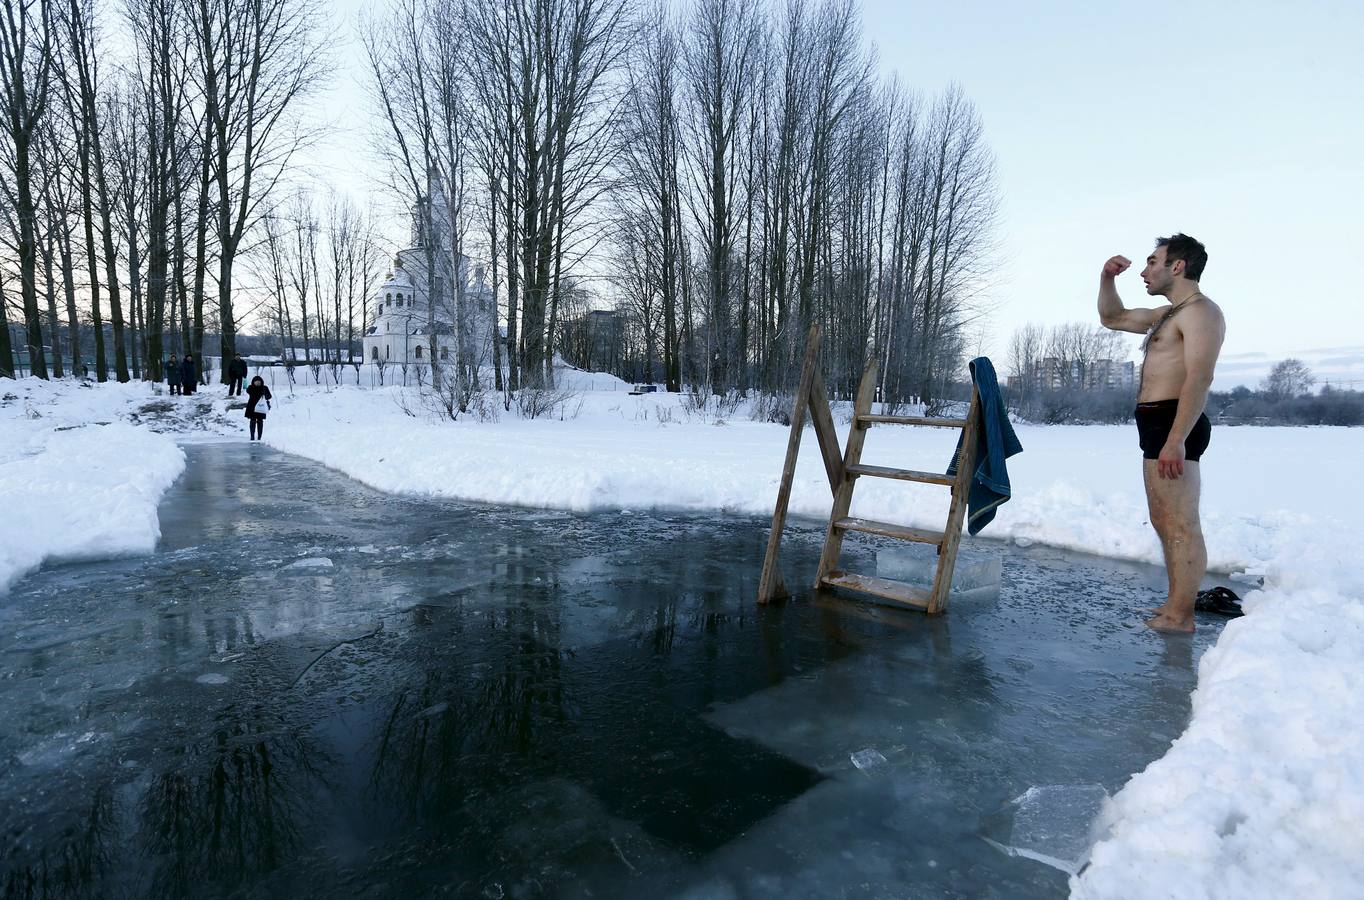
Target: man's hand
x=1116 y=265
x=1170 y=463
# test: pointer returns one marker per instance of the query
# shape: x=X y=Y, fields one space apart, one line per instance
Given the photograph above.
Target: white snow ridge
x=83 y=492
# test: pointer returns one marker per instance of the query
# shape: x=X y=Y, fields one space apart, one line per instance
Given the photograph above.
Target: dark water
x=492 y=702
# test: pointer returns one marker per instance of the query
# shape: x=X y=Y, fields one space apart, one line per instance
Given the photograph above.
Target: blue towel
x=995 y=442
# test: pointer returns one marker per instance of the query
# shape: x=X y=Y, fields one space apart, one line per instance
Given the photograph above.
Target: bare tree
x=7 y=369
x=279 y=262
x=717 y=60
x=302 y=268
x=1072 y=349
x=257 y=59
x=61 y=211
x=816 y=195
x=492 y=84
x=549 y=65
x=1289 y=378
x=351 y=251
x=161 y=66
x=1026 y=347
x=80 y=58
x=419 y=77
x=123 y=115
x=648 y=258
x=961 y=217
x=25 y=81
x=50 y=228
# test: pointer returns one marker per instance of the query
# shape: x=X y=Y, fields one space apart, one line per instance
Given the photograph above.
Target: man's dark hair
x=1181 y=246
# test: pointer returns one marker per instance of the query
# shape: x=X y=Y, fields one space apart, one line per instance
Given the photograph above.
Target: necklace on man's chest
x=1169 y=313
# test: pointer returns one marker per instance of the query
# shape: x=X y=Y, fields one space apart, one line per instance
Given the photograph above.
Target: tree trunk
x=6 y=349
x=110 y=253
x=53 y=322
x=73 y=328
x=196 y=343
x=28 y=257
x=92 y=259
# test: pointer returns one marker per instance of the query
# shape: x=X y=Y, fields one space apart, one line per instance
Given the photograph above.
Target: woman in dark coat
x=189 y=375
x=173 y=375
x=257 y=402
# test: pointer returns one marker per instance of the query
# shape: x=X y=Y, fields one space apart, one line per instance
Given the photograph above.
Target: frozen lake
x=313 y=688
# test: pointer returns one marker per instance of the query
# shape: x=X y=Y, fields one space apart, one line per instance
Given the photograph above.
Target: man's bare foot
x=1168 y=623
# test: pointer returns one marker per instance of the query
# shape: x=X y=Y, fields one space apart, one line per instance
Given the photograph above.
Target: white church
x=400 y=326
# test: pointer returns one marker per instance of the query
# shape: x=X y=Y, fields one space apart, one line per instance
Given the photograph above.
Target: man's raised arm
x=1112 y=314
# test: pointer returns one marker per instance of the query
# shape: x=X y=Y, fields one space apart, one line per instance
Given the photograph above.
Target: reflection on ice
x=1052 y=824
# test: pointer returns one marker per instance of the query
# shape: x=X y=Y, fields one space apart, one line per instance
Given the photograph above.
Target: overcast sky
x=1239 y=123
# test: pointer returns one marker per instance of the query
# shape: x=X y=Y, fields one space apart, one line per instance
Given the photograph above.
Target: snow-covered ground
x=77 y=479
x=1263 y=795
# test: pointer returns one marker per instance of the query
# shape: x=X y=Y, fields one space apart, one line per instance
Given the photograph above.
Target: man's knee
x=1158 y=511
x=1181 y=529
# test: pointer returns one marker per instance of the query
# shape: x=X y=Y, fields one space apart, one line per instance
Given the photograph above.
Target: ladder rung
x=902 y=474
x=913 y=420
x=885 y=529
x=884 y=588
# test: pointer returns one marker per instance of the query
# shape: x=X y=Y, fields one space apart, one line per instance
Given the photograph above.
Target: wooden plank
x=886 y=529
x=770 y=585
x=966 y=471
x=901 y=474
x=912 y=420
x=896 y=591
x=852 y=455
x=823 y=421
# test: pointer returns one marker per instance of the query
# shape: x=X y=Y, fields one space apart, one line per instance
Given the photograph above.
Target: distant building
x=1054 y=374
x=594 y=340
x=604 y=327
x=400 y=312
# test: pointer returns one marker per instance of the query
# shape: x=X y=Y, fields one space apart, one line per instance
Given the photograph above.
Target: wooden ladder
x=843 y=474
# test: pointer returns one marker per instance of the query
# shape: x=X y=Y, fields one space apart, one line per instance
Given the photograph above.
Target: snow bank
x=77 y=480
x=88 y=491
x=1263 y=794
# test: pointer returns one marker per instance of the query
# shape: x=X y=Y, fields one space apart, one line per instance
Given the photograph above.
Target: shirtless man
x=1182 y=342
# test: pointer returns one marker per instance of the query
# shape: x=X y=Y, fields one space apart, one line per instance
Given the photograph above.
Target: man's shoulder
x=1203 y=313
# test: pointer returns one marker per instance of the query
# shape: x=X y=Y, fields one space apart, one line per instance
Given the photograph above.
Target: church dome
x=397 y=293
x=398 y=280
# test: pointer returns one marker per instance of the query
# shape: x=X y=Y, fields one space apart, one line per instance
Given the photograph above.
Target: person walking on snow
x=173 y=375
x=1179 y=354
x=189 y=375
x=257 y=402
x=236 y=371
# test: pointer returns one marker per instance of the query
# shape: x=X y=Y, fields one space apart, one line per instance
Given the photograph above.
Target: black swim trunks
x=1153 y=428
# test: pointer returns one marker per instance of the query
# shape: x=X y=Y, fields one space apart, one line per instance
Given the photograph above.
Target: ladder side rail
x=852 y=455
x=961 y=490
x=770 y=584
x=823 y=420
